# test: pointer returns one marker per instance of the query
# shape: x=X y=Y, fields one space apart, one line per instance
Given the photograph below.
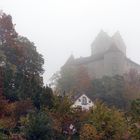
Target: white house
x=84 y=102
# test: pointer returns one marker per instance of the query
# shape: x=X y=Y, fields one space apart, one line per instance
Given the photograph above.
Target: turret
x=103 y=42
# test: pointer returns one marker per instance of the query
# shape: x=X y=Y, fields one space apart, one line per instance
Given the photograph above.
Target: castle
x=108 y=57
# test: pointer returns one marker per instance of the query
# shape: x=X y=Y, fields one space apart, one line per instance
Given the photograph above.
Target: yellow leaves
x=24 y=120
x=12 y=113
x=109 y=122
x=88 y=132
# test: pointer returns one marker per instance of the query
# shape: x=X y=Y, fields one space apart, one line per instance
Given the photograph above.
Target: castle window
x=84 y=101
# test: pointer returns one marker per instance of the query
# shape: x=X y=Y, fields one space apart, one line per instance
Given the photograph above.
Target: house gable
x=84 y=102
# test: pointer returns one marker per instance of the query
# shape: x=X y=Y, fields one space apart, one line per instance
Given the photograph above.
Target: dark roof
x=84 y=60
x=76 y=96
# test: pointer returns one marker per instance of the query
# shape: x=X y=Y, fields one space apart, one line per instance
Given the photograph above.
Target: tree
x=88 y=132
x=135 y=109
x=110 y=90
x=73 y=80
x=19 y=51
x=66 y=79
x=83 y=81
x=132 y=85
x=135 y=119
x=39 y=127
x=8 y=34
x=47 y=98
x=23 y=63
x=30 y=60
x=109 y=122
x=22 y=83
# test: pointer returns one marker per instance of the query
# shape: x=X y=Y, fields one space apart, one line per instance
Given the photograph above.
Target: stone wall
x=114 y=63
x=130 y=65
x=95 y=68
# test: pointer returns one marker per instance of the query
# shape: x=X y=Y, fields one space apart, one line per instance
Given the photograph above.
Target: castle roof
x=113 y=48
x=86 y=60
x=117 y=38
x=132 y=62
x=103 y=42
x=70 y=60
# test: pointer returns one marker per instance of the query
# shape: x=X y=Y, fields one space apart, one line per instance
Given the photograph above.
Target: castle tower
x=103 y=42
x=114 y=61
x=117 y=39
x=108 y=58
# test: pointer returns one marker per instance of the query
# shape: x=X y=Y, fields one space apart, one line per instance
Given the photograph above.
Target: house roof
x=74 y=98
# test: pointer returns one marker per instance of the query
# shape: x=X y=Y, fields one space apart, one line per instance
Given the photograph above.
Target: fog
x=61 y=27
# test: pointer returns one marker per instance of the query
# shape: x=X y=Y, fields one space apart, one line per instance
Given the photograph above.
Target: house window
x=84 y=101
x=79 y=100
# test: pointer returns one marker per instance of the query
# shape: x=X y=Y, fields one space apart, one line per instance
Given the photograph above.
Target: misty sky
x=61 y=27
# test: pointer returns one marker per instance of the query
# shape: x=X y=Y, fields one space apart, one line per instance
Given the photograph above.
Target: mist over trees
x=31 y=111
x=116 y=91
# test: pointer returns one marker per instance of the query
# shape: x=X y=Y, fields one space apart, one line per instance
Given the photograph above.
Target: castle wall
x=114 y=63
x=108 y=57
x=95 y=68
x=110 y=64
x=131 y=65
x=101 y=47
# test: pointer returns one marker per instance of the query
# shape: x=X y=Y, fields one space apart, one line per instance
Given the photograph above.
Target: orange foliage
x=83 y=81
x=88 y=132
x=13 y=111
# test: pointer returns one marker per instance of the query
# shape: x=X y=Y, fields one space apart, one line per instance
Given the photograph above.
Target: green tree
x=39 y=127
x=135 y=119
x=110 y=90
x=23 y=64
x=66 y=80
x=47 y=98
x=135 y=109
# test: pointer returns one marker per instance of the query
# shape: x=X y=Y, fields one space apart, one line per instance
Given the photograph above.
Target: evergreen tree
x=39 y=127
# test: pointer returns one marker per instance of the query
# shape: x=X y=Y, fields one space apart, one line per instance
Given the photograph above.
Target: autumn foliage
x=31 y=111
